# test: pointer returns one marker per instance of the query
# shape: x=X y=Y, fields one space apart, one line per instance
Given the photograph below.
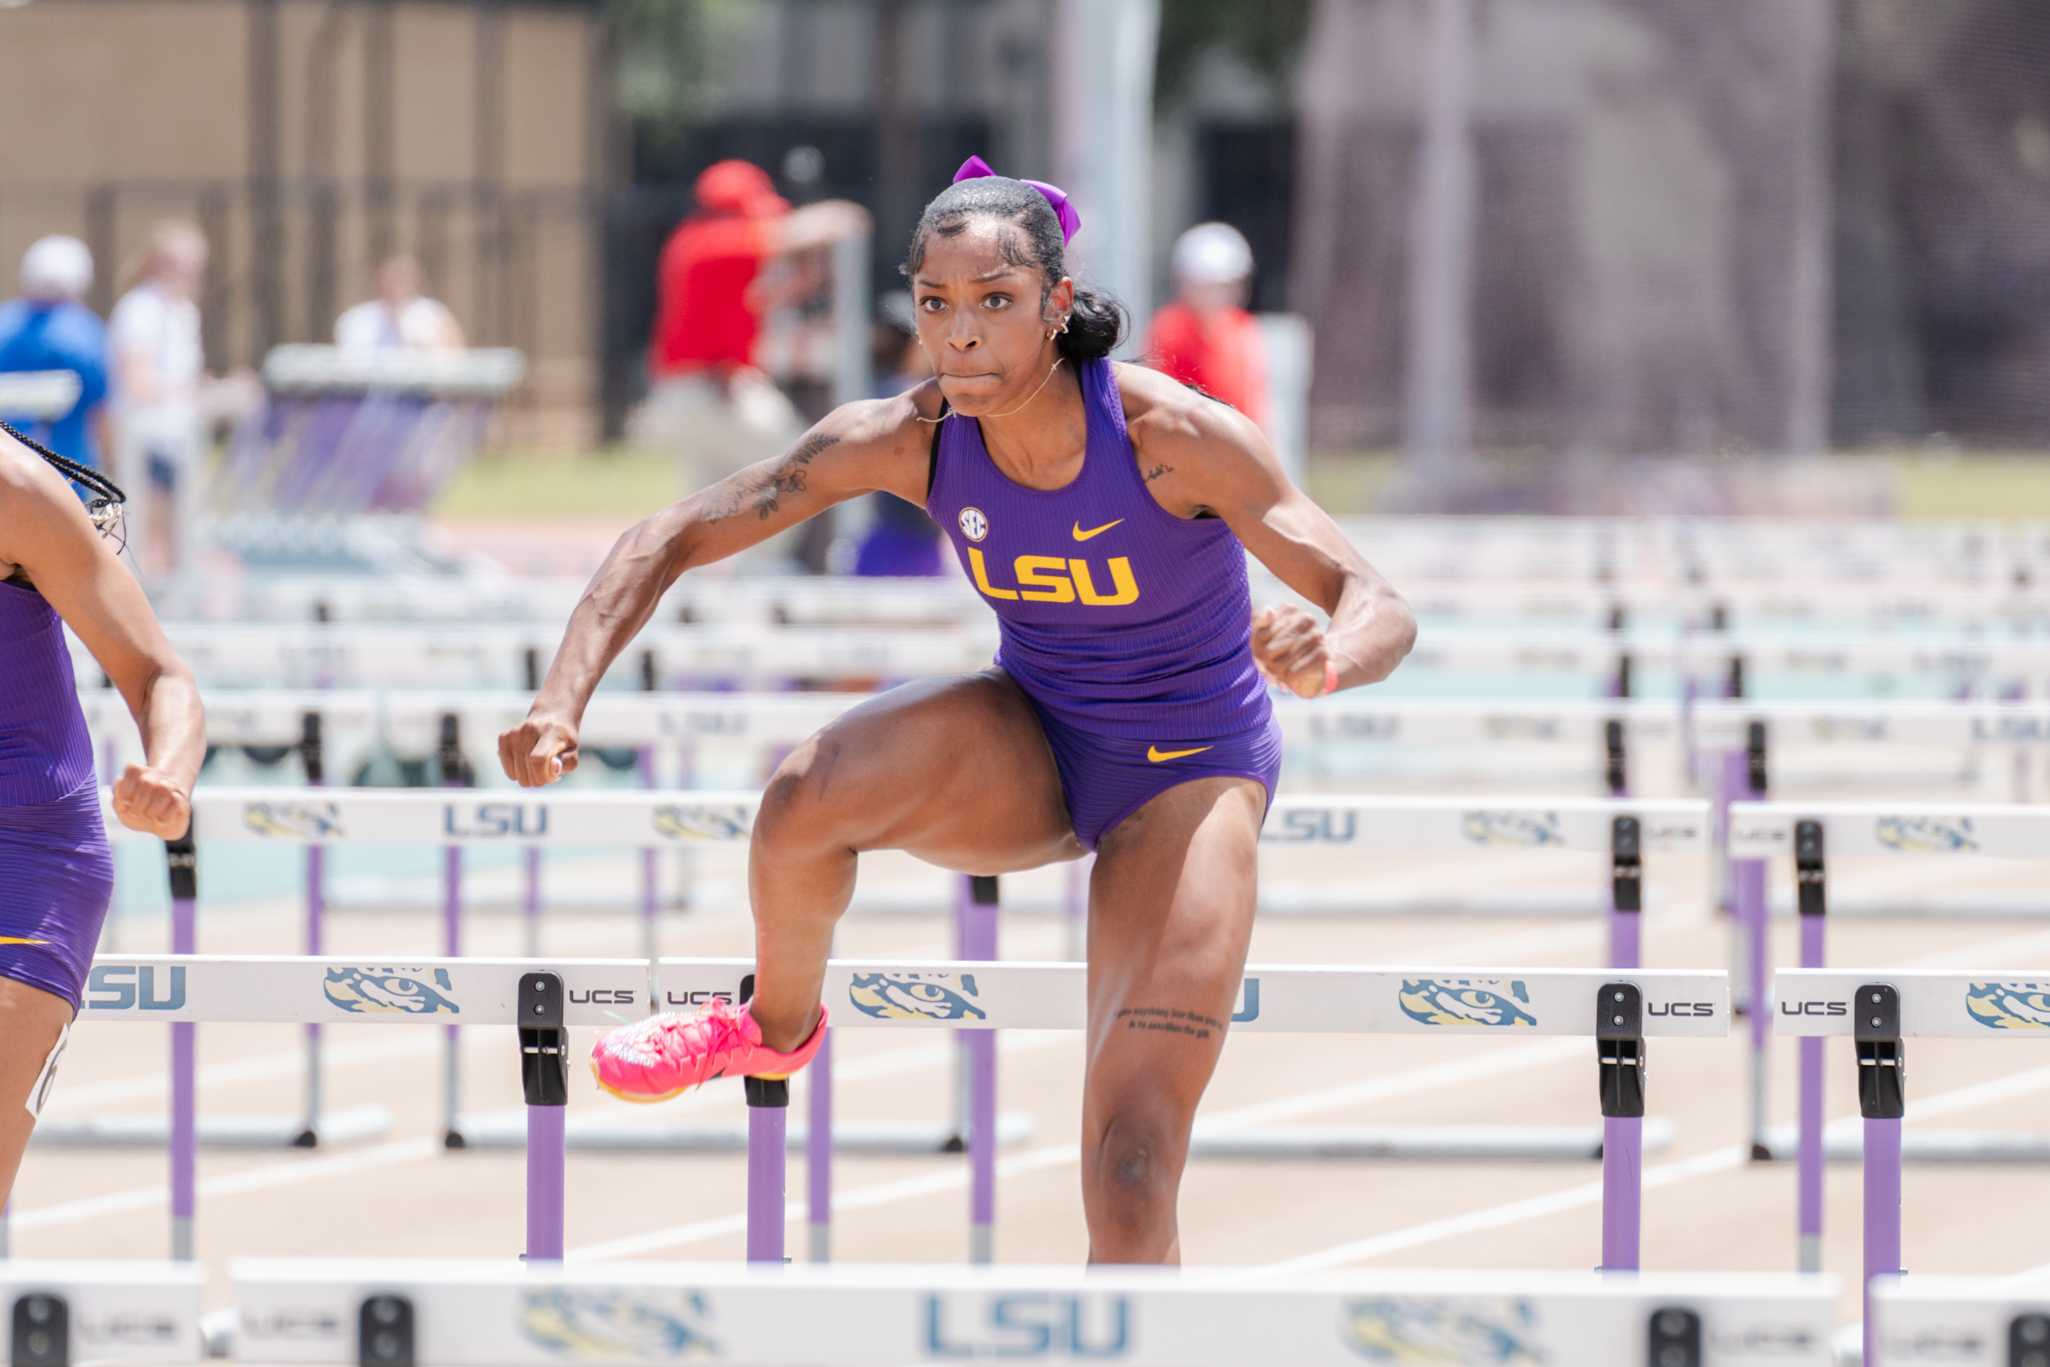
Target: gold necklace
x=1019 y=409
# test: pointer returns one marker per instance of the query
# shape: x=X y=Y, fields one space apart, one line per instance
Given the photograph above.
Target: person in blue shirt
x=50 y=329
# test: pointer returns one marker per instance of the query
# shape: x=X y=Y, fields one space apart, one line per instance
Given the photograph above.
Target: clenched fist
x=538 y=751
x=150 y=801
x=1290 y=649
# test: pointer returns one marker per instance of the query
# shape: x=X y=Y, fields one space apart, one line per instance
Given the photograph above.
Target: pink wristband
x=1330 y=676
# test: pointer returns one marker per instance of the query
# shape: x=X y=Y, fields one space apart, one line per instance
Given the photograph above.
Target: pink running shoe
x=667 y=1055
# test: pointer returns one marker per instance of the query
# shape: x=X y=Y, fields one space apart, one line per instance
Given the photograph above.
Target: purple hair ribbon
x=1063 y=208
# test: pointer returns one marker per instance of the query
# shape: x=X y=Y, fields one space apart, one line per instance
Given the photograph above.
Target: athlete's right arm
x=858 y=448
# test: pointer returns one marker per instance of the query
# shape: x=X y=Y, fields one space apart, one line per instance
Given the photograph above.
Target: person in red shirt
x=1205 y=337
x=715 y=286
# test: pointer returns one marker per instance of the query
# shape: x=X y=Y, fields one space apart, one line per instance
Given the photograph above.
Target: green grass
x=623 y=483
x=617 y=484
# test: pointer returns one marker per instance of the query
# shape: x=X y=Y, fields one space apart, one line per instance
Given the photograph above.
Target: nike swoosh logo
x=18 y=940
x=1158 y=755
x=1081 y=535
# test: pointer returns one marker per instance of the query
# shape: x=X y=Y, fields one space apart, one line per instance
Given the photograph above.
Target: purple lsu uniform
x=1128 y=628
x=56 y=870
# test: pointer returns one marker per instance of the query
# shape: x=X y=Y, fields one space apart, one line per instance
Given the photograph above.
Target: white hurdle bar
x=1622 y=829
x=104 y=1313
x=1810 y=835
x=470 y=1314
x=544 y=998
x=1960 y=1322
x=1879 y=1010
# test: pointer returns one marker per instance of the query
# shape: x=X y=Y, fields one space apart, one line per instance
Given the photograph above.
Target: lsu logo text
x=714 y=821
x=1528 y=829
x=2010 y=1006
x=121 y=987
x=1423 y=1331
x=1926 y=834
x=1058 y=1326
x=916 y=996
x=390 y=991
x=1313 y=826
x=490 y=820
x=1058 y=579
x=1491 y=1003
x=612 y=1326
x=293 y=820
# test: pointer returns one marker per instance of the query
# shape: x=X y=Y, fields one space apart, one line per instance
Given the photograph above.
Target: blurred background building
x=1524 y=234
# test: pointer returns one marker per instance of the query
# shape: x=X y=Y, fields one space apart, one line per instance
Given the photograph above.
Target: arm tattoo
x=787 y=478
x=1170 y=1021
x=1157 y=471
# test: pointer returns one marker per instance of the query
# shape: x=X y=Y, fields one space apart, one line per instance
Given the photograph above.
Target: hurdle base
x=1521 y=1143
x=509 y=1131
x=353 y=1126
x=1941 y=1146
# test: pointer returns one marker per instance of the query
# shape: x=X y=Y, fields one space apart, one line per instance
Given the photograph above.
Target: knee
x=1136 y=1169
x=806 y=802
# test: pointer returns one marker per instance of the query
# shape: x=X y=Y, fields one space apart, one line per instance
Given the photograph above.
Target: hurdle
x=1880 y=1011
x=1959 y=1322
x=542 y=999
x=1813 y=834
x=116 y=1313
x=468 y=1314
x=1748 y=735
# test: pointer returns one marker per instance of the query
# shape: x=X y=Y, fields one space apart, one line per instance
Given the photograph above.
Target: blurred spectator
x=50 y=329
x=706 y=397
x=901 y=539
x=159 y=363
x=1205 y=337
x=401 y=317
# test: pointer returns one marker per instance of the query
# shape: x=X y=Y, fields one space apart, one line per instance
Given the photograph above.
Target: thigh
x=1171 y=904
x=955 y=771
x=31 y=1022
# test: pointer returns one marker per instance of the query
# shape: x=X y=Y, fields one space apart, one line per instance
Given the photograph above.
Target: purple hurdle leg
x=546 y=1169
x=650 y=868
x=1622 y=1192
x=768 y=1112
x=316 y=911
x=979 y=942
x=452 y=1039
x=530 y=901
x=184 y=1082
x=818 y=1150
x=1882 y=1209
x=1750 y=929
x=1810 y=1164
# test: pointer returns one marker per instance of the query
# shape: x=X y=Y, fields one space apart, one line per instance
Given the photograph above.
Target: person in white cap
x=159 y=367
x=49 y=330
x=1205 y=338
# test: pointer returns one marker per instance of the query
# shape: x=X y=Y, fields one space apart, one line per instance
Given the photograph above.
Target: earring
x=1064 y=325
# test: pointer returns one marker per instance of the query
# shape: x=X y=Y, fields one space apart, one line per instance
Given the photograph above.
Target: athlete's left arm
x=48 y=534
x=1201 y=456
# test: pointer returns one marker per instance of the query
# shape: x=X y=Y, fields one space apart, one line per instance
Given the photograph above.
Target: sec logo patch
x=974 y=525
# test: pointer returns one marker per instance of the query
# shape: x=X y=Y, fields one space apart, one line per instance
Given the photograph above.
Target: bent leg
x=31 y=1022
x=1170 y=917
x=956 y=772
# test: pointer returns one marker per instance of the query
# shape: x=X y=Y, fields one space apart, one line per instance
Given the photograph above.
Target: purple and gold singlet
x=1130 y=629
x=56 y=871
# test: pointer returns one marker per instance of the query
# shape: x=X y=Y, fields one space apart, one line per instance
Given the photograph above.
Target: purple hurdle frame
x=976 y=921
x=184 y=871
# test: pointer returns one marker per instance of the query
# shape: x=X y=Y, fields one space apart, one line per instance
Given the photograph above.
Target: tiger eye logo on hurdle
x=1486 y=1003
x=1926 y=834
x=916 y=996
x=702 y=821
x=1527 y=829
x=494 y=820
x=390 y=991
x=293 y=820
x=1432 y=1332
x=612 y=1326
x=2010 y=1005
